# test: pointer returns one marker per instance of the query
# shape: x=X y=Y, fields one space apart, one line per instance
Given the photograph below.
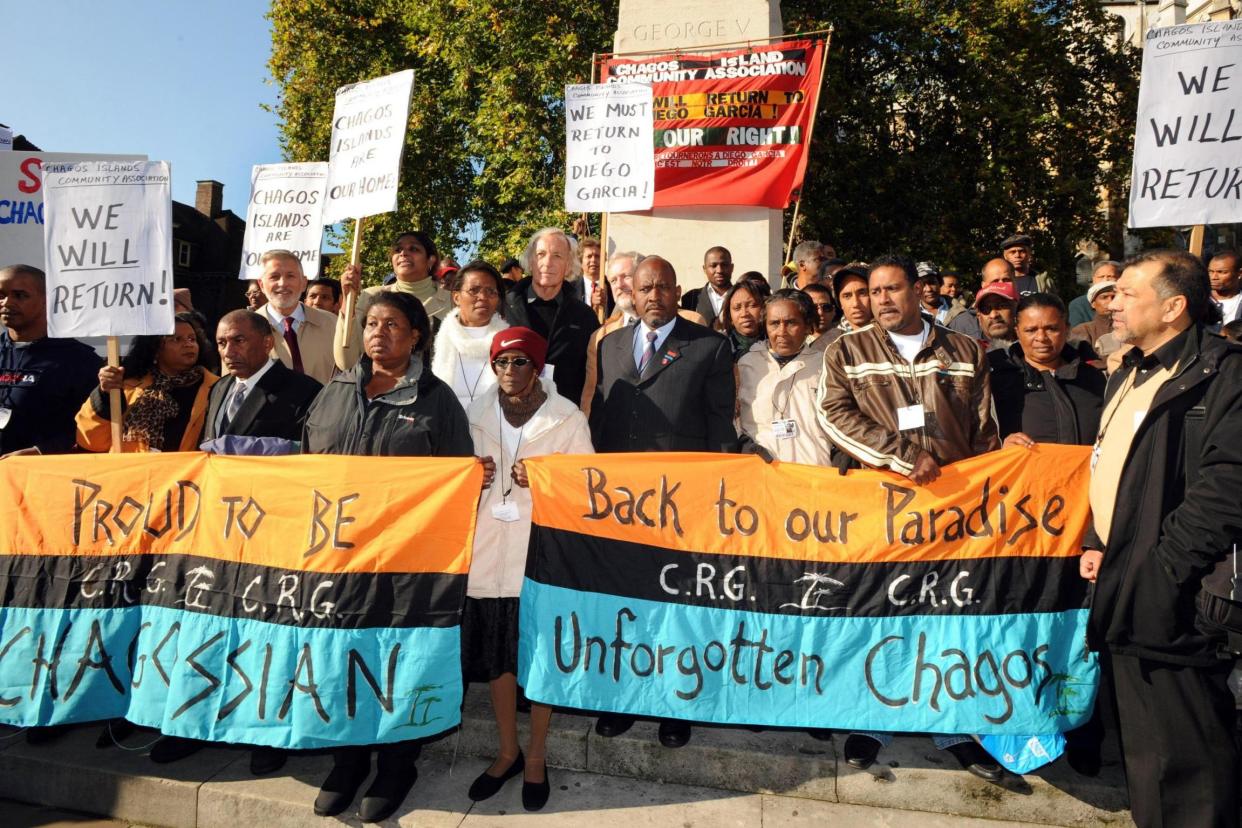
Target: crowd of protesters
x=882 y=364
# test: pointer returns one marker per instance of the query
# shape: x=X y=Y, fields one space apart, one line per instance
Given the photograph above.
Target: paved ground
x=615 y=802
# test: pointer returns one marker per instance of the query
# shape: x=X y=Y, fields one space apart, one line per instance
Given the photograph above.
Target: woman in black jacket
x=388 y=405
x=1044 y=391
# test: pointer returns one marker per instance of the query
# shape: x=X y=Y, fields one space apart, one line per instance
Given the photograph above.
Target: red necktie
x=291 y=339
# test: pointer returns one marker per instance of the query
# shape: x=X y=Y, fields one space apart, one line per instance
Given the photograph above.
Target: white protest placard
x=609 y=162
x=6 y=139
x=108 y=244
x=368 y=137
x=1188 y=137
x=21 y=202
x=285 y=213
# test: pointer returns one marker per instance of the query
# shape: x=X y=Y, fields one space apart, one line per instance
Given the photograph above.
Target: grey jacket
x=420 y=417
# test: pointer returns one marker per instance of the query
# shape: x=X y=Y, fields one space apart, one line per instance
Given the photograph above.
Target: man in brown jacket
x=907 y=395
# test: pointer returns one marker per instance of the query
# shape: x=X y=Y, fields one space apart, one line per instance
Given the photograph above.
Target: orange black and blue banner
x=731 y=127
x=722 y=589
x=295 y=601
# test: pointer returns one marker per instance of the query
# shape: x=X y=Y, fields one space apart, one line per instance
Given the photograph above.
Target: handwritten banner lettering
x=609 y=167
x=228 y=599
x=368 y=138
x=108 y=246
x=1187 y=167
x=285 y=213
x=722 y=589
x=729 y=127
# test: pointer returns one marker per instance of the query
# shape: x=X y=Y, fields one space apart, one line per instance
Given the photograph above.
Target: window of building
x=183 y=254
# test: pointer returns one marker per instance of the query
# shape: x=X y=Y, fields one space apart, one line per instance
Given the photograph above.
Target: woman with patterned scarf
x=163 y=387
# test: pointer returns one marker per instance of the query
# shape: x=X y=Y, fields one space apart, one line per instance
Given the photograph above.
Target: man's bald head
x=997 y=270
x=655 y=291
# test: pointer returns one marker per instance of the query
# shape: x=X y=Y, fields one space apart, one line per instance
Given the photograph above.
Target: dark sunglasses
x=517 y=362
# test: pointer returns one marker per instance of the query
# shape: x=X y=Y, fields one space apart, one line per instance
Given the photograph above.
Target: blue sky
x=177 y=81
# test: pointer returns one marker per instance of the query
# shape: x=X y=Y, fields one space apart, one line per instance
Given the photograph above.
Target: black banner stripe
x=355 y=600
x=988 y=586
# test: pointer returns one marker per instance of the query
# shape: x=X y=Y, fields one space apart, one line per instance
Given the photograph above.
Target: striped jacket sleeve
x=858 y=435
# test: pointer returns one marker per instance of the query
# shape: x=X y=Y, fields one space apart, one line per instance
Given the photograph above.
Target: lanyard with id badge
x=784 y=427
x=506 y=510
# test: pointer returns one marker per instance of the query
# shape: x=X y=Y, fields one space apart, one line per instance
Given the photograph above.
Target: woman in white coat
x=464 y=341
x=516 y=418
x=777 y=381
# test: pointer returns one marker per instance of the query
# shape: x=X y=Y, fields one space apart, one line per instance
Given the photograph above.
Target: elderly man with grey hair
x=807 y=257
x=1080 y=310
x=544 y=303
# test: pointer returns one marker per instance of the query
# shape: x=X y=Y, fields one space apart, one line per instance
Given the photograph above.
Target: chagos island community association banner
x=232 y=599
x=721 y=589
x=731 y=127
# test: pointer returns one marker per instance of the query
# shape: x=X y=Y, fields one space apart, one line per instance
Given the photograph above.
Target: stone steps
x=214 y=787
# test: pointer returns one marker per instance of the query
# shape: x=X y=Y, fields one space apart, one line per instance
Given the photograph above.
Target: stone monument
x=683 y=234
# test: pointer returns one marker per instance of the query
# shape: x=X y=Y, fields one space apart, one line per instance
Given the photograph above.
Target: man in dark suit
x=549 y=305
x=665 y=384
x=708 y=300
x=258 y=396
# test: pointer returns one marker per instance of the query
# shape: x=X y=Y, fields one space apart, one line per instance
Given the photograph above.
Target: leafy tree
x=485 y=141
x=944 y=124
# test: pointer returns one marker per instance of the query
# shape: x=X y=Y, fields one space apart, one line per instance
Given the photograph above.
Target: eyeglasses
x=517 y=362
x=825 y=306
x=476 y=292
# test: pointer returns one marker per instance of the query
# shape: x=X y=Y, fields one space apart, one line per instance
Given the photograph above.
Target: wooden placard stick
x=114 y=396
x=351 y=299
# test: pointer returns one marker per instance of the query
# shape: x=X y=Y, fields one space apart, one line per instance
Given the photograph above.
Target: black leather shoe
x=174 y=749
x=46 y=734
x=535 y=794
x=1085 y=760
x=387 y=792
x=613 y=724
x=114 y=731
x=861 y=751
x=486 y=786
x=674 y=734
x=265 y=760
x=341 y=786
x=974 y=759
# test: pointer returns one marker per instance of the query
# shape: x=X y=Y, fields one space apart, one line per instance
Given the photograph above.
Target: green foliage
x=944 y=124
x=485 y=141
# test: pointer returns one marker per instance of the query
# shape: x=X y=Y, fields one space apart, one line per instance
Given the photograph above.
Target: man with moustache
x=665 y=384
x=907 y=357
x=620 y=276
x=1161 y=551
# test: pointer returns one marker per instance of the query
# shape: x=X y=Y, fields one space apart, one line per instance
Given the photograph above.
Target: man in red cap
x=995 y=305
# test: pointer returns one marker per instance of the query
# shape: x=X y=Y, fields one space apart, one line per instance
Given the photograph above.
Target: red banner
x=730 y=127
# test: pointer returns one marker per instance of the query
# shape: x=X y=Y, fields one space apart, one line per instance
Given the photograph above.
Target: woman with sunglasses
x=518 y=417
x=464 y=341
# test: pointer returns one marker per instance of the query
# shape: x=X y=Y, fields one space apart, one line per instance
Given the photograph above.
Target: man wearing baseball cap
x=994 y=306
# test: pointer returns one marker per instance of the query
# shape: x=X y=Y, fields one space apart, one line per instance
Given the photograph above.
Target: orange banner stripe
x=313 y=513
x=1015 y=502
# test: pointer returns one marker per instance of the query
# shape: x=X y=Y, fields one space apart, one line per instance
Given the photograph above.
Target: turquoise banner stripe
x=286 y=687
x=1007 y=674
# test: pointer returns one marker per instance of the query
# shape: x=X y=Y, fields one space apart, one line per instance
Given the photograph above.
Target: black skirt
x=489 y=638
